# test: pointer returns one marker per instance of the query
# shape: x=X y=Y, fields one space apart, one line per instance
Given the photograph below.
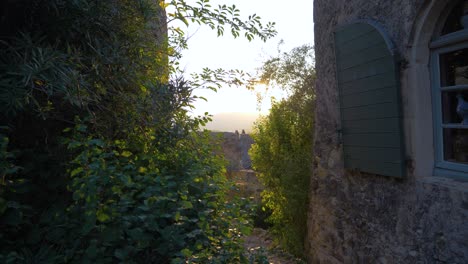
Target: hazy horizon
x=232 y=121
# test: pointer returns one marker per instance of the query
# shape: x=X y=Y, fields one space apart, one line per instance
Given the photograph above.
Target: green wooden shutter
x=368 y=82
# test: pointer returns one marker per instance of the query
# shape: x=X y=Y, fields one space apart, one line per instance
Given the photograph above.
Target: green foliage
x=292 y=71
x=99 y=58
x=102 y=163
x=130 y=201
x=282 y=153
x=217 y=18
x=133 y=201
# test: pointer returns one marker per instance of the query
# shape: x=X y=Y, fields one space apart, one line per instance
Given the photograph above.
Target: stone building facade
x=235 y=149
x=421 y=216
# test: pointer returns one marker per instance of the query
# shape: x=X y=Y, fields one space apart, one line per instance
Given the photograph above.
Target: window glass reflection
x=454 y=68
x=456 y=145
x=450 y=102
x=454 y=20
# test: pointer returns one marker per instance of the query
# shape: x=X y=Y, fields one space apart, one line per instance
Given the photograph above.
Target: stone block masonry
x=235 y=147
x=357 y=217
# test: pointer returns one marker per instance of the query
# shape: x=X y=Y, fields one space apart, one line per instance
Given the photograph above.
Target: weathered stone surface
x=235 y=148
x=245 y=143
x=247 y=183
x=363 y=218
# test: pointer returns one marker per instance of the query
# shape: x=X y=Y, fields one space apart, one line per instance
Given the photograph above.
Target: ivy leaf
x=76 y=171
x=186 y=205
x=186 y=252
x=102 y=216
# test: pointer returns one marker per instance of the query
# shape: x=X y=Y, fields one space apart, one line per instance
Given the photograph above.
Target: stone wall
x=363 y=218
x=235 y=147
x=246 y=142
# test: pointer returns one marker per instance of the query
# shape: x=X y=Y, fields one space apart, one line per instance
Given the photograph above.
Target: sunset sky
x=294 y=24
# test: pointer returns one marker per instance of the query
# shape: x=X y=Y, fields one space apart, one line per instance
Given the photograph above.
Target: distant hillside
x=230 y=122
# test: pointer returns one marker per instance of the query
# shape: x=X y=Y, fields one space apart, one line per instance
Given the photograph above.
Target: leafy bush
x=132 y=201
x=282 y=152
x=102 y=163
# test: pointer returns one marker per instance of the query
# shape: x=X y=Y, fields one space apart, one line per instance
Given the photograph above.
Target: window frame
x=444 y=44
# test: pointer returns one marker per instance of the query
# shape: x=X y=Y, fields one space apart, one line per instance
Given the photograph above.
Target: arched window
x=449 y=66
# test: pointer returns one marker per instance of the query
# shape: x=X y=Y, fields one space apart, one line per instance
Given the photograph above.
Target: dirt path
x=261 y=239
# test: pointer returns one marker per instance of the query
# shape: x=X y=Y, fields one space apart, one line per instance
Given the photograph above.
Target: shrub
x=133 y=201
x=102 y=163
x=282 y=153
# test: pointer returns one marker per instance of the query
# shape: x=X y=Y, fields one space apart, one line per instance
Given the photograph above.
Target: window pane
x=450 y=102
x=454 y=19
x=456 y=145
x=454 y=68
